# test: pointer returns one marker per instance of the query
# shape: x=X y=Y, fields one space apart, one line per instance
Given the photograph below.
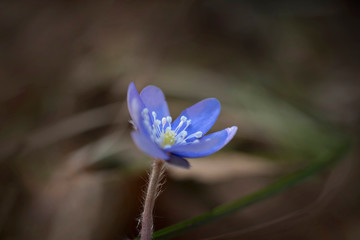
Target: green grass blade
x=326 y=159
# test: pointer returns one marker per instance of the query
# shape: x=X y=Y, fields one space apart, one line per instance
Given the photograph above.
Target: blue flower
x=159 y=137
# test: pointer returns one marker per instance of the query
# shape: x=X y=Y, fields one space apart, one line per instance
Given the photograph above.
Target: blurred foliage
x=274 y=188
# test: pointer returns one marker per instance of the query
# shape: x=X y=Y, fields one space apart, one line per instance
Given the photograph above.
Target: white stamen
x=183 y=134
x=157 y=122
x=163 y=121
x=180 y=137
x=187 y=124
x=144 y=114
x=198 y=134
x=179 y=126
x=161 y=131
x=195 y=135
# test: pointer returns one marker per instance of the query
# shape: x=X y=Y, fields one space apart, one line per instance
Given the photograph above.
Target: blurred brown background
x=68 y=168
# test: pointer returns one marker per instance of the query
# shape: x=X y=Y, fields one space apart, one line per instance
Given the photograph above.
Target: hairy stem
x=151 y=194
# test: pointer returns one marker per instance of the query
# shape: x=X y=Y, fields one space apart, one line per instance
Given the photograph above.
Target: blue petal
x=148 y=146
x=207 y=145
x=202 y=115
x=178 y=161
x=135 y=106
x=154 y=100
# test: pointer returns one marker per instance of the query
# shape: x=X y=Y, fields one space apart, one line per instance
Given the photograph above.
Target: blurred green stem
x=151 y=194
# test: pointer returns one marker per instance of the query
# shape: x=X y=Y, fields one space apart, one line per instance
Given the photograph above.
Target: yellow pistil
x=169 y=138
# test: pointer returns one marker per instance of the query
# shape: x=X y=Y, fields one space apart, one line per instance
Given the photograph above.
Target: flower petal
x=154 y=100
x=202 y=115
x=135 y=106
x=178 y=161
x=207 y=145
x=148 y=146
x=133 y=96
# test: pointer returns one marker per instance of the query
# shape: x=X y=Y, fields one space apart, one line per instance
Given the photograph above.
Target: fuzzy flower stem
x=151 y=194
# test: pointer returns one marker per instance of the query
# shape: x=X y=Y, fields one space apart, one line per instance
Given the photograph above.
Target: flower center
x=169 y=138
x=162 y=133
